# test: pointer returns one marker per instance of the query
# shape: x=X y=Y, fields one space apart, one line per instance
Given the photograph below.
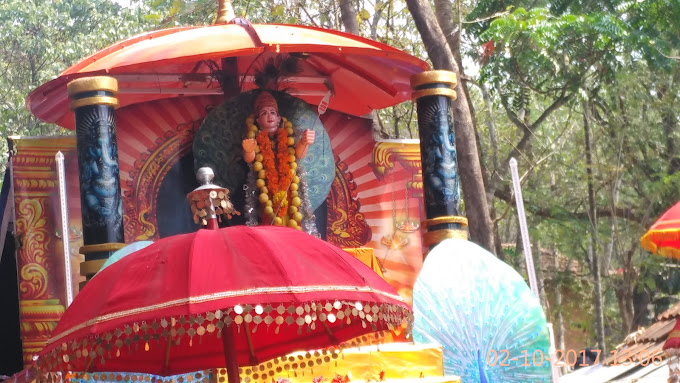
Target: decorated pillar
x=42 y=297
x=433 y=93
x=93 y=100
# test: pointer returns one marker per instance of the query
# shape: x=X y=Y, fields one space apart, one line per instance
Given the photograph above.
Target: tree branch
x=626 y=213
x=311 y=19
x=555 y=105
x=497 y=14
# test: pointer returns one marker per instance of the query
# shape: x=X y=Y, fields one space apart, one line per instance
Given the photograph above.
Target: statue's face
x=268 y=119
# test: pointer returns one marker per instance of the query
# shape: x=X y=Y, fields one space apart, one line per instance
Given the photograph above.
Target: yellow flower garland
x=278 y=184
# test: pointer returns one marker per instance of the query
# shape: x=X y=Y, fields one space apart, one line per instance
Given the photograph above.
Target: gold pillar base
x=432 y=237
x=89 y=268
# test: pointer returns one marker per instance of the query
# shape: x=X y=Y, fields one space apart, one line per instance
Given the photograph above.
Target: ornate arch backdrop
x=367 y=196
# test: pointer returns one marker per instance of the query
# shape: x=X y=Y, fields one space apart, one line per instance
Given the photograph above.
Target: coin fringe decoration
x=203 y=376
x=76 y=354
x=202 y=202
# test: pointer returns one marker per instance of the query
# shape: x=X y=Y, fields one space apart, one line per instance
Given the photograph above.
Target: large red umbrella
x=165 y=309
x=663 y=237
x=180 y=62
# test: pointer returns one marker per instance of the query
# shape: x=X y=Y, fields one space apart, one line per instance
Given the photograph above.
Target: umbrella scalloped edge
x=77 y=353
x=653 y=241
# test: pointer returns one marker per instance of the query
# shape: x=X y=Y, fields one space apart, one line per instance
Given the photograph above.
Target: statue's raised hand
x=306 y=139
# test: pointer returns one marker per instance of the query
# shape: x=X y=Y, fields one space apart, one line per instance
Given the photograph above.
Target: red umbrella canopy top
x=162 y=309
x=663 y=237
x=363 y=74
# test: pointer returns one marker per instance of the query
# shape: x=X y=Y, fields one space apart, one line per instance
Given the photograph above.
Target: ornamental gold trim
x=447 y=92
x=432 y=238
x=26 y=148
x=434 y=77
x=202 y=376
x=95 y=100
x=90 y=84
x=79 y=354
x=387 y=153
x=87 y=249
x=91 y=267
x=444 y=220
x=224 y=295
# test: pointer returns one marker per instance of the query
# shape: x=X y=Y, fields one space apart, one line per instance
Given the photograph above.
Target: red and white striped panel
x=352 y=141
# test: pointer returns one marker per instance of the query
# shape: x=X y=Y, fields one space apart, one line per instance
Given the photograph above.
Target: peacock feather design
x=491 y=326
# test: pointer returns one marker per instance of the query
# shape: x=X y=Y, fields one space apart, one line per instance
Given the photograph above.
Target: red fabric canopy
x=663 y=237
x=364 y=74
x=162 y=310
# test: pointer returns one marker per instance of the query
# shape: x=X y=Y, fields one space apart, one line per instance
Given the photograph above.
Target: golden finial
x=225 y=12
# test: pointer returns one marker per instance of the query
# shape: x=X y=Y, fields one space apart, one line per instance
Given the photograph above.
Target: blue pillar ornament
x=93 y=100
x=433 y=93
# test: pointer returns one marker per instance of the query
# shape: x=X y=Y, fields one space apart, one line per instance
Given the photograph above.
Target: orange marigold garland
x=276 y=177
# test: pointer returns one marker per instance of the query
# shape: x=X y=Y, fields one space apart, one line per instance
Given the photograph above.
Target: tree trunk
x=491 y=184
x=349 y=17
x=445 y=19
x=348 y=14
x=625 y=291
x=476 y=208
x=595 y=267
x=452 y=35
x=540 y=278
x=379 y=7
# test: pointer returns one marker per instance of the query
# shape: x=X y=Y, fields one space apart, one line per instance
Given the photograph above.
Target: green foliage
x=549 y=54
x=40 y=39
x=613 y=61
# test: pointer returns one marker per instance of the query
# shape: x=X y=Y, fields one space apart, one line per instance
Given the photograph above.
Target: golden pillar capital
x=434 y=83
x=100 y=90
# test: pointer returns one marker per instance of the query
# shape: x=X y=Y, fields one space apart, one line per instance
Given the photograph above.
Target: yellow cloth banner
x=365 y=255
x=388 y=362
x=397 y=360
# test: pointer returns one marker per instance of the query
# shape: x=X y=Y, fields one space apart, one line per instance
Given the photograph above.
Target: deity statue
x=273 y=154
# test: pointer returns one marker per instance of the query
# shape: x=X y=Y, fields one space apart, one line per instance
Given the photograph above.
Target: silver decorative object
x=209 y=201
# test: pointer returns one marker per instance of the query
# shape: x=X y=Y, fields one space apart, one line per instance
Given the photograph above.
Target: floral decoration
x=341 y=379
x=276 y=174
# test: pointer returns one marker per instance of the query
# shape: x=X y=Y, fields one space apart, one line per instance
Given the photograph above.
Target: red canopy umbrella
x=180 y=62
x=166 y=309
x=663 y=237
